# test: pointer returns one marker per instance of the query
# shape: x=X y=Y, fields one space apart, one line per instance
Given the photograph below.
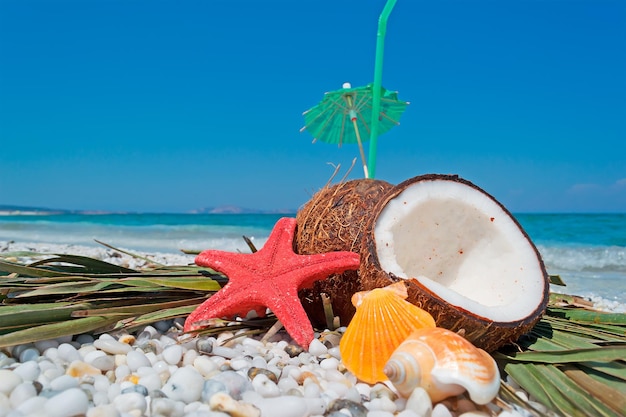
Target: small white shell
x=444 y=364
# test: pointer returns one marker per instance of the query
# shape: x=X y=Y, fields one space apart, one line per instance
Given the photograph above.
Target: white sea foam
x=584 y=258
x=595 y=272
x=138 y=240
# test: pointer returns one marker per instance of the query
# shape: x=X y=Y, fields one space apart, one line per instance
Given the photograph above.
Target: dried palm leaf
x=65 y=295
x=573 y=362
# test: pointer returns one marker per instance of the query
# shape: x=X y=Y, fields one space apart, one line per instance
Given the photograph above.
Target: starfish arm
x=227 y=302
x=320 y=266
x=228 y=263
x=289 y=311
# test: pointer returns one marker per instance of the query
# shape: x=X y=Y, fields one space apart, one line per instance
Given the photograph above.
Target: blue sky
x=156 y=106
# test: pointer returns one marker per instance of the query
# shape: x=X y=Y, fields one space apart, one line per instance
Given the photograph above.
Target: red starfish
x=269 y=278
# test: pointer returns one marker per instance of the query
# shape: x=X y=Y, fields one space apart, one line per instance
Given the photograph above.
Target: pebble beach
x=159 y=370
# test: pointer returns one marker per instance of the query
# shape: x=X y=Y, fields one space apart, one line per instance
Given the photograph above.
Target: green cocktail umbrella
x=343 y=115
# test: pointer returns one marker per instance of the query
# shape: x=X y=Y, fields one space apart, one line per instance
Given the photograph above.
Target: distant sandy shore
x=23 y=252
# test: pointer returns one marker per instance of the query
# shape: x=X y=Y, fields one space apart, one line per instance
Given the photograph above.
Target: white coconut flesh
x=460 y=244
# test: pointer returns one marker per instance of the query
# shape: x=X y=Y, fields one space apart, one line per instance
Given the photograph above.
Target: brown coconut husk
x=484 y=333
x=334 y=220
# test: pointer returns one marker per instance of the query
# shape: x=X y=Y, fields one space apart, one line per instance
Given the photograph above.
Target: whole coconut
x=334 y=220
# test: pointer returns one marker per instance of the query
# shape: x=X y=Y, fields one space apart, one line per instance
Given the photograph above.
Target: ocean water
x=588 y=251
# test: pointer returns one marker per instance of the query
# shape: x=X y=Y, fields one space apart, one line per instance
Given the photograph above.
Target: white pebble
x=379 y=413
x=312 y=390
x=161 y=366
x=337 y=388
x=101 y=383
x=68 y=353
x=152 y=357
x=329 y=363
x=84 y=339
x=335 y=376
x=120 y=359
x=52 y=373
x=353 y=395
x=152 y=382
x=42 y=345
x=474 y=413
x=189 y=357
x=101 y=398
x=316 y=406
x=52 y=354
x=107 y=410
x=68 y=403
x=264 y=386
x=521 y=394
x=334 y=352
x=285 y=384
x=136 y=359
x=259 y=362
x=21 y=393
x=63 y=382
x=32 y=406
x=112 y=346
x=419 y=402
x=441 y=410
x=205 y=366
x=90 y=356
x=239 y=364
x=121 y=372
x=288 y=406
x=224 y=402
x=166 y=407
x=29 y=354
x=317 y=348
x=86 y=350
x=17 y=350
x=173 y=354
x=382 y=404
x=364 y=389
x=225 y=352
x=29 y=371
x=114 y=391
x=130 y=402
x=184 y=385
x=104 y=363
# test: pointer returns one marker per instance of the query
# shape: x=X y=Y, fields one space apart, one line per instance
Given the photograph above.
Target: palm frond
x=65 y=295
x=573 y=362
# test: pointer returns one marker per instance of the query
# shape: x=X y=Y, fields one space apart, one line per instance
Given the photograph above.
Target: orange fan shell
x=445 y=364
x=383 y=320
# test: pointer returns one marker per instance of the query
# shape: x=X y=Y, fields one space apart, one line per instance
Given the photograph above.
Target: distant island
x=12 y=210
x=239 y=210
x=7 y=210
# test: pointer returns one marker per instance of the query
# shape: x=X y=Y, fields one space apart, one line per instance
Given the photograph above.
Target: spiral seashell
x=445 y=364
x=383 y=319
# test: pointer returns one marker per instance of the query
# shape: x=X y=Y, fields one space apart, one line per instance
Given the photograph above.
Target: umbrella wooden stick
x=353 y=118
x=358 y=139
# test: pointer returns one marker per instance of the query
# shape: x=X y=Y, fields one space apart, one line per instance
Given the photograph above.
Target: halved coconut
x=467 y=261
x=334 y=220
